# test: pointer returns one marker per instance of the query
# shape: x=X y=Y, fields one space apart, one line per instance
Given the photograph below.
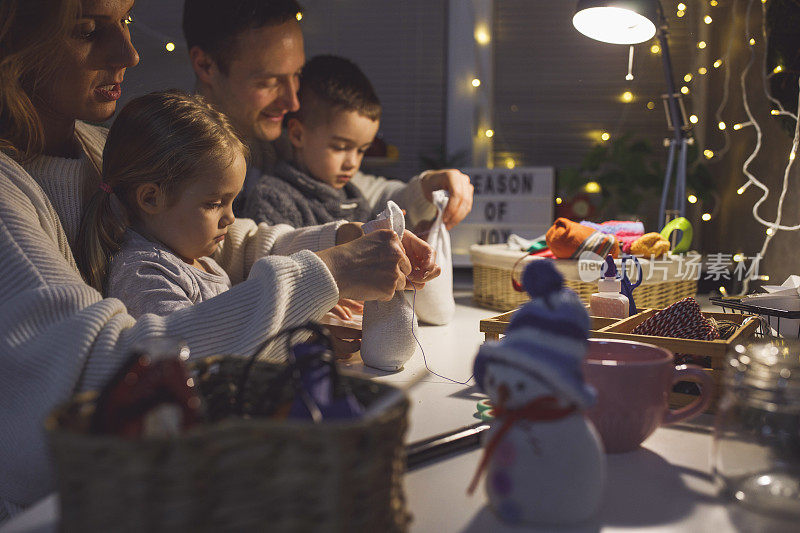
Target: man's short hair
x=330 y=83
x=214 y=25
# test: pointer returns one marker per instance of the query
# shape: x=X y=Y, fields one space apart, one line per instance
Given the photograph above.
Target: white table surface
x=664 y=486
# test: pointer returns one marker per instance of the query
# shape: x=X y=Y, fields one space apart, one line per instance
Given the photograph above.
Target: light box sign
x=506 y=201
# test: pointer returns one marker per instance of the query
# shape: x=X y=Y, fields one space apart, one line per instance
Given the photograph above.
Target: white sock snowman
x=435 y=304
x=543 y=458
x=387 y=342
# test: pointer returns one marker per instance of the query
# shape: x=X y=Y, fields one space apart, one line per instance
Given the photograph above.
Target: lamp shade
x=617 y=21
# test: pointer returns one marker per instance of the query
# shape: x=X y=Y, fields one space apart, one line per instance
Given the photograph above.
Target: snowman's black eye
x=520 y=386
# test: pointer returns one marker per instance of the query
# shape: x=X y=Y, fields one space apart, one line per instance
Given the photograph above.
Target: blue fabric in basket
x=317 y=390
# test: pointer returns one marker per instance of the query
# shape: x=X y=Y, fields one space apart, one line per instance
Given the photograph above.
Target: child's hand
x=458 y=185
x=346 y=308
x=345 y=341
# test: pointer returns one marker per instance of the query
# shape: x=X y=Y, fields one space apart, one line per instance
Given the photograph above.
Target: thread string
x=421 y=349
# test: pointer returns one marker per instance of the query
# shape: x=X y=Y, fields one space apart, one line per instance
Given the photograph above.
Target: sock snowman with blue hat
x=543 y=458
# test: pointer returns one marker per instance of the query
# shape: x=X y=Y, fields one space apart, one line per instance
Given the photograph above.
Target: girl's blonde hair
x=32 y=34
x=165 y=138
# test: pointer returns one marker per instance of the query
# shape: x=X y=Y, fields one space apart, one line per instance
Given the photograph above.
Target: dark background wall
x=554 y=92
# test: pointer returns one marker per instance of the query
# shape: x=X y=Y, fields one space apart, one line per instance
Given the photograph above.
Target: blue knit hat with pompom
x=547 y=336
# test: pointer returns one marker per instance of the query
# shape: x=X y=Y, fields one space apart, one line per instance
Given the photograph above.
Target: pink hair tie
x=105 y=187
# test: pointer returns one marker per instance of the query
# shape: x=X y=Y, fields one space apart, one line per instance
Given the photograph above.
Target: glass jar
x=756 y=450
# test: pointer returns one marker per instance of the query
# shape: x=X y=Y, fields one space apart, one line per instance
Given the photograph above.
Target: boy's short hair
x=214 y=25
x=331 y=83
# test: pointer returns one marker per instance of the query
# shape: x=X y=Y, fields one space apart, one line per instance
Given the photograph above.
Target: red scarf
x=541 y=409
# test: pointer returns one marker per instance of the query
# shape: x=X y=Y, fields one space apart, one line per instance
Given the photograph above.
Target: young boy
x=338 y=118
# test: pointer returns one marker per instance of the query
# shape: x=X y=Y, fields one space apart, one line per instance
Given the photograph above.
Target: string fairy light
x=776 y=225
x=725 y=92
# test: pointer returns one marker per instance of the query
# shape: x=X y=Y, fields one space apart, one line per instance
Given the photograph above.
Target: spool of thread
x=484 y=405
x=488 y=414
x=685 y=227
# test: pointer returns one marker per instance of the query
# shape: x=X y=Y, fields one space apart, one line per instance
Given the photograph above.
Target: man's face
x=262 y=80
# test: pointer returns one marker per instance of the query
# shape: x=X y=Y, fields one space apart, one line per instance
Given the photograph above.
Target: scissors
x=626 y=285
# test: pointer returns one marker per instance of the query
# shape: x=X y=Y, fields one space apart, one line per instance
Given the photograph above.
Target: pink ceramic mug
x=633 y=382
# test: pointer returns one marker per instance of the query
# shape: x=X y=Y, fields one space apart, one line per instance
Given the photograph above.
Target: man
x=247 y=56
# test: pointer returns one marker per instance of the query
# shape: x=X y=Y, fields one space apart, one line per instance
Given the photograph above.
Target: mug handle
x=699 y=376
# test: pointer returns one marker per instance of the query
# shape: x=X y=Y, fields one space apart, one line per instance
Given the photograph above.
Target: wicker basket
x=236 y=474
x=492 y=266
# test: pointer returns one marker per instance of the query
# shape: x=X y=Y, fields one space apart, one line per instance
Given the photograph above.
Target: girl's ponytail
x=100 y=235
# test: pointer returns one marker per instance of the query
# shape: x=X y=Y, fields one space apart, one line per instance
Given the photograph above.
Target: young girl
x=172 y=166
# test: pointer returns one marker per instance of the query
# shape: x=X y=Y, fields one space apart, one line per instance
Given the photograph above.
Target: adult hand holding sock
x=387 y=342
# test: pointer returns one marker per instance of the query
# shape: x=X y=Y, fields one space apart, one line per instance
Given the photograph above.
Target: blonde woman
x=62 y=62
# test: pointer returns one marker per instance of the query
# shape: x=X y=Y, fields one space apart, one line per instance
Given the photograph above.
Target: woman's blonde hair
x=32 y=33
x=165 y=138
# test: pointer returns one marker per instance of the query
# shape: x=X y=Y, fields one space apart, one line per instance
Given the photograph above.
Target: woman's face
x=86 y=83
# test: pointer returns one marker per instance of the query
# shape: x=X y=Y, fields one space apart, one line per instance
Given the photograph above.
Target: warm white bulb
x=680 y=14
x=717 y=63
x=299 y=16
x=770 y=231
x=692 y=199
x=489 y=133
x=558 y=201
x=687 y=78
x=693 y=119
x=651 y=105
x=476 y=82
x=614 y=25
x=510 y=163
x=682 y=7
x=684 y=90
x=701 y=45
x=707 y=19
x=706 y=217
x=752 y=41
x=777 y=69
x=592 y=187
x=605 y=136
x=702 y=71
x=722 y=126
x=170 y=47
x=655 y=49
x=627 y=96
x=482 y=35
x=708 y=153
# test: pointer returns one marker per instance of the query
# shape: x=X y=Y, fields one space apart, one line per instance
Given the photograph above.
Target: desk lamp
x=632 y=22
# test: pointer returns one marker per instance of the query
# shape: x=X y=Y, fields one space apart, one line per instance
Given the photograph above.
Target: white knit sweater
x=59 y=336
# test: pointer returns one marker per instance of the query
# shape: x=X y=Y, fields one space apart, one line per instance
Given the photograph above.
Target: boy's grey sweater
x=375 y=190
x=290 y=196
x=150 y=278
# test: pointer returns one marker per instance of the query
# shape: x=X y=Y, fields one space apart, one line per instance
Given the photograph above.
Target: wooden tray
x=716 y=350
x=613 y=328
x=495 y=326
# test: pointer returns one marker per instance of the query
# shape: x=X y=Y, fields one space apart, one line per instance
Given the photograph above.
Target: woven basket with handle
x=235 y=473
x=492 y=267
